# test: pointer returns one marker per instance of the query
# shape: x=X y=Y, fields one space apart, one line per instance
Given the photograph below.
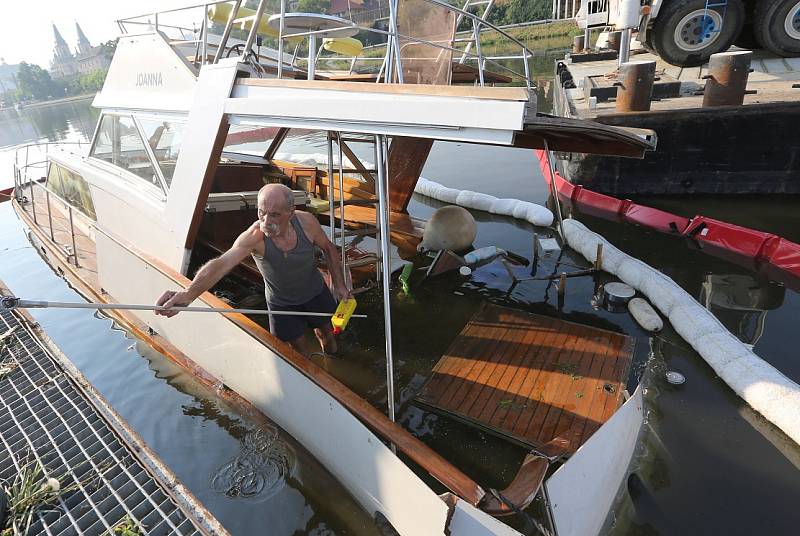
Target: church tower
x=83 y=43
x=61 y=50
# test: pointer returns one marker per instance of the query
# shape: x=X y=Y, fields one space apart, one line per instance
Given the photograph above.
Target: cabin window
x=165 y=139
x=118 y=142
x=72 y=188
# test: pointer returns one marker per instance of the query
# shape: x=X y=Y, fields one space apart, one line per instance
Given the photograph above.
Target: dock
x=733 y=149
x=530 y=378
x=51 y=417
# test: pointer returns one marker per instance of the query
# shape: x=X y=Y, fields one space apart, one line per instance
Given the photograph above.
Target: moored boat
x=164 y=186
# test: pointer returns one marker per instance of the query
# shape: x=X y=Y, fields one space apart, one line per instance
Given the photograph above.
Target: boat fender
x=450 y=227
x=645 y=315
x=483 y=254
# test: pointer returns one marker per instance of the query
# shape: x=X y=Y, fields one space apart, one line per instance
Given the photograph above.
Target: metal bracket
x=9 y=302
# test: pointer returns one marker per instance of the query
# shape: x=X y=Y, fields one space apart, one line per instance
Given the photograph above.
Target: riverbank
x=73 y=98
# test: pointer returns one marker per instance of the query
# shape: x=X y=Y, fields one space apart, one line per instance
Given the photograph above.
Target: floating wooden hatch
x=531 y=378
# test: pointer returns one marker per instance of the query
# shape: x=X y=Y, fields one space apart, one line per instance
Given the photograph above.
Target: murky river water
x=709 y=463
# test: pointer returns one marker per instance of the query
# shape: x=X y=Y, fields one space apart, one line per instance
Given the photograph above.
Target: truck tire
x=684 y=34
x=777 y=26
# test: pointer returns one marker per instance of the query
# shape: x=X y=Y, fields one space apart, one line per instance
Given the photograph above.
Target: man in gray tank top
x=282 y=242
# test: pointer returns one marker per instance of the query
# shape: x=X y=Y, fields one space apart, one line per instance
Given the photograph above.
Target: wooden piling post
x=598 y=260
x=578 y=44
x=726 y=80
x=614 y=40
x=635 y=86
x=562 y=285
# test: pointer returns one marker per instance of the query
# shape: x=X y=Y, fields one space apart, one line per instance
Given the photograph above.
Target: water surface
x=708 y=463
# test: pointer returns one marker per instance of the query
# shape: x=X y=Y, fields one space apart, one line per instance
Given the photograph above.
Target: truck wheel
x=685 y=34
x=777 y=26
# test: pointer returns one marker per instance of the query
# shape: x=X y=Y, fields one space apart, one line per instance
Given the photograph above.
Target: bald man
x=282 y=243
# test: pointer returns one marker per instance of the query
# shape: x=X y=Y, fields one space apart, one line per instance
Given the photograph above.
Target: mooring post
x=726 y=80
x=562 y=284
x=635 y=86
x=598 y=260
x=614 y=40
x=578 y=44
x=587 y=38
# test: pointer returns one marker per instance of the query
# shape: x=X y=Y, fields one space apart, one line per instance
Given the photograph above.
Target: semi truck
x=687 y=32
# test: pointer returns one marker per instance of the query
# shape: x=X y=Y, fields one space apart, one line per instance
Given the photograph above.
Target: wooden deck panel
x=86 y=251
x=530 y=377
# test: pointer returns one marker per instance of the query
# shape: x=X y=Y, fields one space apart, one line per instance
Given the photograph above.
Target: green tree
x=34 y=82
x=109 y=47
x=313 y=6
x=528 y=10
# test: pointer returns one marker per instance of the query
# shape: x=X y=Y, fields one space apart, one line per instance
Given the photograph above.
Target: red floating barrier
x=720 y=238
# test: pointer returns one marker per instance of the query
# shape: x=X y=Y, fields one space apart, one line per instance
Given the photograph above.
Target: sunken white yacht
x=170 y=179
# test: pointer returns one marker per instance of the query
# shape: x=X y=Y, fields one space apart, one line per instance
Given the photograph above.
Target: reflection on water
x=69 y=121
x=707 y=464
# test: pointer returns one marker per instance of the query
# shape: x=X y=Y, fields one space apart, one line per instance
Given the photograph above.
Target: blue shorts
x=290 y=327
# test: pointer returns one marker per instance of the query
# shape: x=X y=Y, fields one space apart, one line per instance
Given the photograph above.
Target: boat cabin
x=193 y=124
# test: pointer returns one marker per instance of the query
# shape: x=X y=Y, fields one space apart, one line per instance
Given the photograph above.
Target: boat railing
x=25 y=181
x=193 y=26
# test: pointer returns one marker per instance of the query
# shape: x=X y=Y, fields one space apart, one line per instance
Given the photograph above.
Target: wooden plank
x=407 y=157
x=398 y=222
x=507 y=371
x=493 y=93
x=543 y=339
x=530 y=378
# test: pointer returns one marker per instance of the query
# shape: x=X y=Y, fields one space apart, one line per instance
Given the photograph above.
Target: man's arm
x=212 y=272
x=314 y=231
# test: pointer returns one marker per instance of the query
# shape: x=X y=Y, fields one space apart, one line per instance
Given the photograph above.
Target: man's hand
x=342 y=292
x=171 y=298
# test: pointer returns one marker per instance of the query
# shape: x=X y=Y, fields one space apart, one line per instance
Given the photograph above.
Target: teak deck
x=531 y=378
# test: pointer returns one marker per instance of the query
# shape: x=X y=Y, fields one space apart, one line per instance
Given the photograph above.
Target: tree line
x=35 y=83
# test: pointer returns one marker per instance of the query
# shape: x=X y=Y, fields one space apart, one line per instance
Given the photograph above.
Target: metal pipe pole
x=280 y=39
x=49 y=214
x=251 y=37
x=378 y=241
x=554 y=190
x=527 y=68
x=341 y=208
x=331 y=206
x=625 y=46
x=383 y=205
x=397 y=59
x=389 y=74
x=72 y=233
x=205 y=35
x=227 y=32
x=587 y=38
x=477 y=33
x=11 y=302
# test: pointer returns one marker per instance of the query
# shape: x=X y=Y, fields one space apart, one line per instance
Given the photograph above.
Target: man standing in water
x=282 y=243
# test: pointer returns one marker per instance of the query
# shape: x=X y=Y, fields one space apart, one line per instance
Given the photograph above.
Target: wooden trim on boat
x=446 y=473
x=490 y=93
x=407 y=157
x=208 y=182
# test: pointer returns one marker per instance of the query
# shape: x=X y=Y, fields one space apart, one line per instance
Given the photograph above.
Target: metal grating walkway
x=46 y=416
